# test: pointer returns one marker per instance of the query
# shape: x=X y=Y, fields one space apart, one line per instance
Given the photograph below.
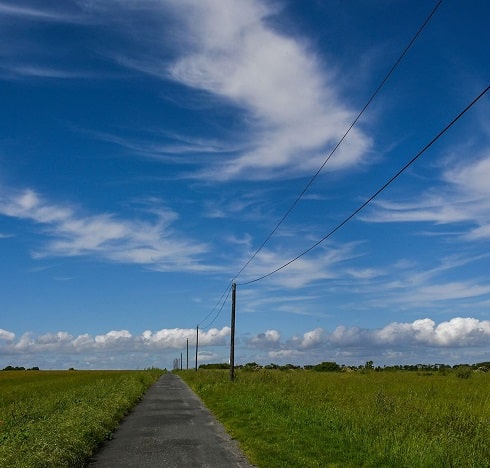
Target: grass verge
x=385 y=419
x=58 y=418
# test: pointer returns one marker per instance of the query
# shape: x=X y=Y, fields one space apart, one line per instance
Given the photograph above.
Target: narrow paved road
x=170 y=427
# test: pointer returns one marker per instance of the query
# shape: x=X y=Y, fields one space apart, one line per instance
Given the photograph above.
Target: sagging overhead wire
x=372 y=197
x=373 y=95
x=222 y=302
x=312 y=179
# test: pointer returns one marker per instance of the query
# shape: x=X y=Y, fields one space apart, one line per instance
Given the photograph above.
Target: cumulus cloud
x=114 y=340
x=152 y=243
x=419 y=340
x=265 y=340
x=456 y=332
x=309 y=339
x=173 y=338
x=422 y=340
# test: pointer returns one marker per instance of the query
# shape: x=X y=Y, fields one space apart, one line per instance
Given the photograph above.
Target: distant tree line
x=330 y=366
x=10 y=368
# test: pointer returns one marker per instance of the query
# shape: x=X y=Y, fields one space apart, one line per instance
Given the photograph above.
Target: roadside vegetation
x=338 y=417
x=58 y=418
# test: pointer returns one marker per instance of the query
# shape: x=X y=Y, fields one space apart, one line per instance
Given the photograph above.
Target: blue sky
x=149 y=147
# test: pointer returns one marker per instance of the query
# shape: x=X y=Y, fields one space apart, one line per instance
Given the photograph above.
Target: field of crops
x=369 y=419
x=58 y=418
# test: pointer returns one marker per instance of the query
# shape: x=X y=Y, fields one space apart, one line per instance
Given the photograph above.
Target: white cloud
x=6 y=335
x=43 y=14
x=464 y=197
x=460 y=338
x=153 y=244
x=457 y=332
x=165 y=146
x=267 y=339
x=309 y=339
x=410 y=285
x=365 y=273
x=322 y=265
x=207 y=356
x=174 y=338
x=293 y=113
x=284 y=354
x=419 y=341
x=296 y=109
x=472 y=177
x=452 y=290
x=48 y=72
x=114 y=340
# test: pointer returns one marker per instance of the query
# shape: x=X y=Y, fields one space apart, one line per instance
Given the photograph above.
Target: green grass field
x=371 y=419
x=58 y=418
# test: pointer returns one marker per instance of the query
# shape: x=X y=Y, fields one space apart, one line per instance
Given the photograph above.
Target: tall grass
x=375 y=419
x=58 y=418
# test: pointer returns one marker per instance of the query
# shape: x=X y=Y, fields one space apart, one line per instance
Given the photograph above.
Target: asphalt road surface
x=170 y=427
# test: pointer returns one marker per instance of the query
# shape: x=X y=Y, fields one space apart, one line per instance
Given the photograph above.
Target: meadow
x=58 y=418
x=355 y=419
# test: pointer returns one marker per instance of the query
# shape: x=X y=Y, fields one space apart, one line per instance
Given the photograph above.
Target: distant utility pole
x=180 y=361
x=197 y=342
x=187 y=353
x=232 y=341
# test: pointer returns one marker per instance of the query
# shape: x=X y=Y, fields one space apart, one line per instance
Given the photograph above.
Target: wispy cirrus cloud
x=55 y=12
x=69 y=233
x=414 y=286
x=323 y=265
x=296 y=109
x=34 y=71
x=26 y=52
x=164 y=146
x=464 y=197
x=293 y=112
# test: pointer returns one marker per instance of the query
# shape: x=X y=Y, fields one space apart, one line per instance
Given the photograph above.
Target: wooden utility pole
x=187 y=353
x=232 y=341
x=180 y=361
x=197 y=342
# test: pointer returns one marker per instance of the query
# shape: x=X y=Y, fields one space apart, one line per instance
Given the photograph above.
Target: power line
x=216 y=305
x=223 y=302
x=372 y=197
x=310 y=182
x=377 y=90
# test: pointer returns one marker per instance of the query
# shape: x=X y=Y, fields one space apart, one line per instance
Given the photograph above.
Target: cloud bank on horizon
x=149 y=147
x=396 y=343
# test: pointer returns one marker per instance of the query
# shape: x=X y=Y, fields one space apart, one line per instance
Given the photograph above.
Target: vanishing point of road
x=170 y=427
